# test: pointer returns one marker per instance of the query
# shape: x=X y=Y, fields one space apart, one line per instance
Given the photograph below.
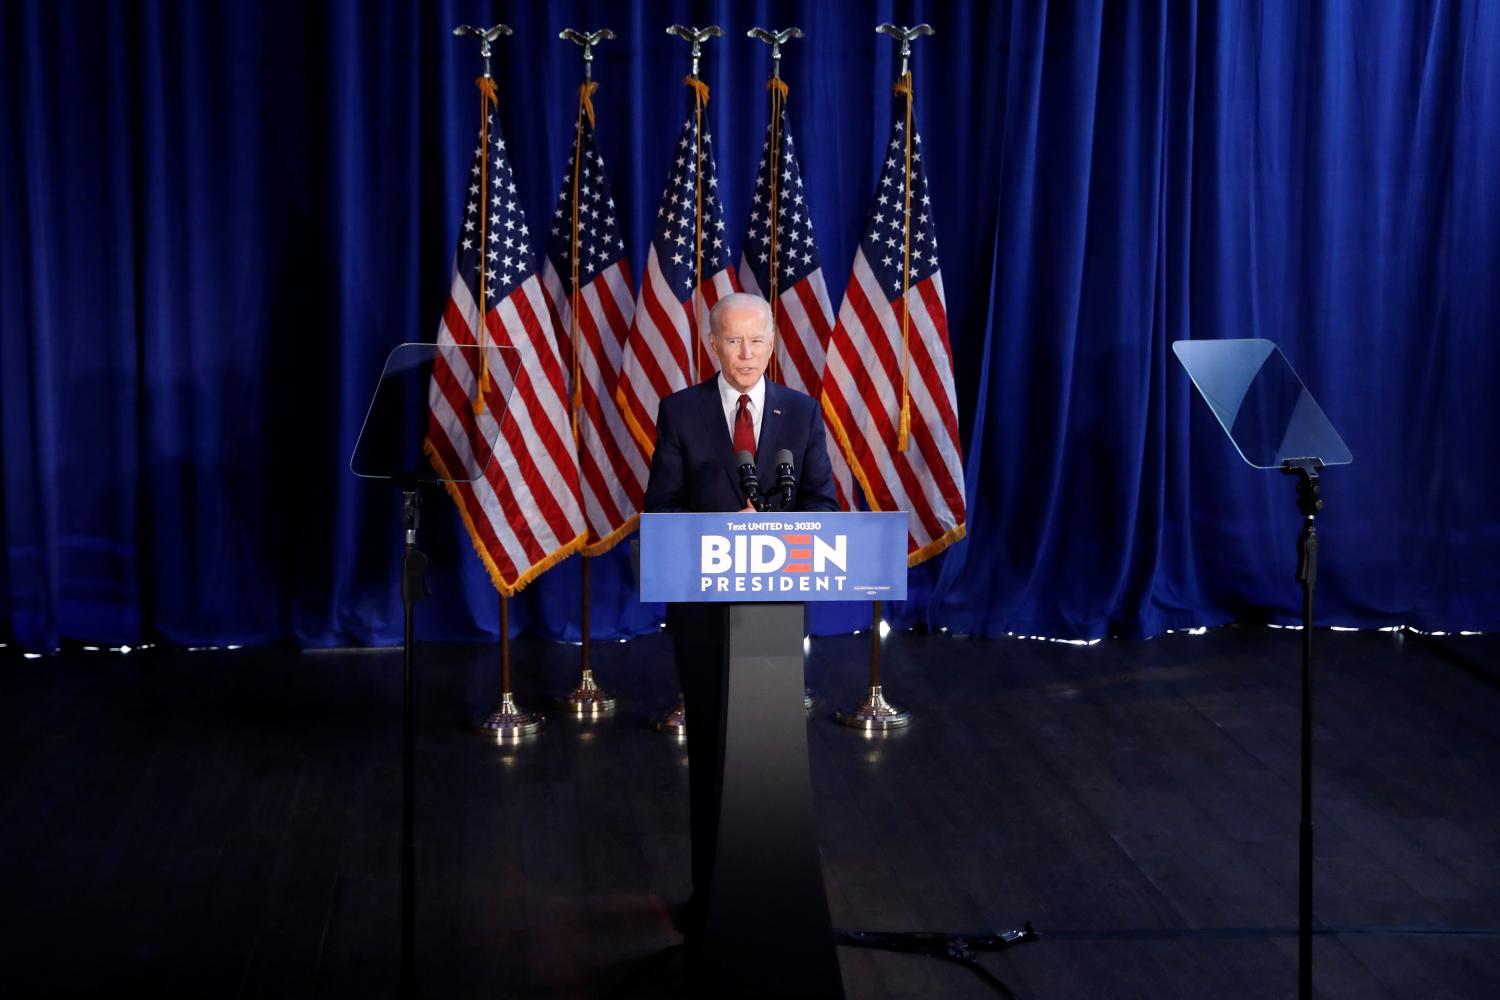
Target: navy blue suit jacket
x=694 y=466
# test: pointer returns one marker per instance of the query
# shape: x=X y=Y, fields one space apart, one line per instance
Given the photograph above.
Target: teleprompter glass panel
x=1260 y=402
x=423 y=425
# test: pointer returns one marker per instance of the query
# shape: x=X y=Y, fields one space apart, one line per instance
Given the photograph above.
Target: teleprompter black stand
x=410 y=424
x=413 y=589
x=1309 y=503
x=1274 y=422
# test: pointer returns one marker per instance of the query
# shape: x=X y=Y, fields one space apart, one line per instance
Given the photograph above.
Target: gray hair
x=737 y=302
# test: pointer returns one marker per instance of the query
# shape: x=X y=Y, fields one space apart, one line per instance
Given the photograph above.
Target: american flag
x=612 y=463
x=804 y=316
x=523 y=513
x=667 y=348
x=862 y=384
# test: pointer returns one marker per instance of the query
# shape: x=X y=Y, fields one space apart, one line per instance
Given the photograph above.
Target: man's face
x=742 y=343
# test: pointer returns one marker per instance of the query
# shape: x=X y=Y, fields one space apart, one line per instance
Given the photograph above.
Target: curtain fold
x=216 y=220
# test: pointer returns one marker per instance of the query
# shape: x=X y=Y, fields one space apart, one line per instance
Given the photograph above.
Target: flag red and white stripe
x=803 y=313
x=870 y=358
x=667 y=349
x=612 y=464
x=523 y=513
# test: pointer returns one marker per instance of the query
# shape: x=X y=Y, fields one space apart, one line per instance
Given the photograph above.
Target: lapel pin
x=777 y=412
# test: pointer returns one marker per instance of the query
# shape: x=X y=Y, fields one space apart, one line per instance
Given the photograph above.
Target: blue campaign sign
x=859 y=556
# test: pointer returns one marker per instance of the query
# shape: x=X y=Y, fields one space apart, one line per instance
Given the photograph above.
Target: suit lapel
x=771 y=425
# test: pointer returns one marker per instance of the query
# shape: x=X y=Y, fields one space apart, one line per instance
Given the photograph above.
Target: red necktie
x=744 y=428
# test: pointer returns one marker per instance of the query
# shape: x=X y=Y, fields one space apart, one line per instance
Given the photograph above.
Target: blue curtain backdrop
x=217 y=218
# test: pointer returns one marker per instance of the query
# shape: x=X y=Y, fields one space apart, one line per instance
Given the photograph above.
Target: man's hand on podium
x=749 y=508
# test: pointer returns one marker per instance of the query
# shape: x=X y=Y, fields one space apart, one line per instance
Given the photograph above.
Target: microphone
x=749 y=481
x=786 y=479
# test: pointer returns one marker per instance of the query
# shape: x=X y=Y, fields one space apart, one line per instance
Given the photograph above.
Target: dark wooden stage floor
x=227 y=823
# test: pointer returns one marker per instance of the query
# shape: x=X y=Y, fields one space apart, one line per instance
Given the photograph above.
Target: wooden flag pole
x=488 y=98
x=778 y=90
x=674 y=720
x=504 y=644
x=508 y=723
x=586 y=700
x=697 y=36
x=876 y=714
x=904 y=87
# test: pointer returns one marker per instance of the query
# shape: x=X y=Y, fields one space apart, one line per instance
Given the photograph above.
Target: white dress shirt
x=730 y=396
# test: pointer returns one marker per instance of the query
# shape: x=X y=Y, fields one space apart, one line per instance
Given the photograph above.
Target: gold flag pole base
x=810 y=699
x=509 y=722
x=673 y=722
x=874 y=715
x=588 y=700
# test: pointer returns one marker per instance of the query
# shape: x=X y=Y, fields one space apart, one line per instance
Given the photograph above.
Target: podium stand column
x=767 y=931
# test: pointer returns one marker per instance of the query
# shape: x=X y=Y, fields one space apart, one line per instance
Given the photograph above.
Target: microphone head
x=783 y=457
x=744 y=458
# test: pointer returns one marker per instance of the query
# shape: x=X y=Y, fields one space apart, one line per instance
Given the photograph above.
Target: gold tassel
x=700 y=95
x=778 y=88
x=586 y=98
x=488 y=96
x=699 y=88
x=903 y=427
x=585 y=107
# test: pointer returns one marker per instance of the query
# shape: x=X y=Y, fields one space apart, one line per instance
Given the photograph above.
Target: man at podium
x=700 y=432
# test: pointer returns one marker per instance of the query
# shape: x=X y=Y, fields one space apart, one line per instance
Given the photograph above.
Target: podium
x=737 y=584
